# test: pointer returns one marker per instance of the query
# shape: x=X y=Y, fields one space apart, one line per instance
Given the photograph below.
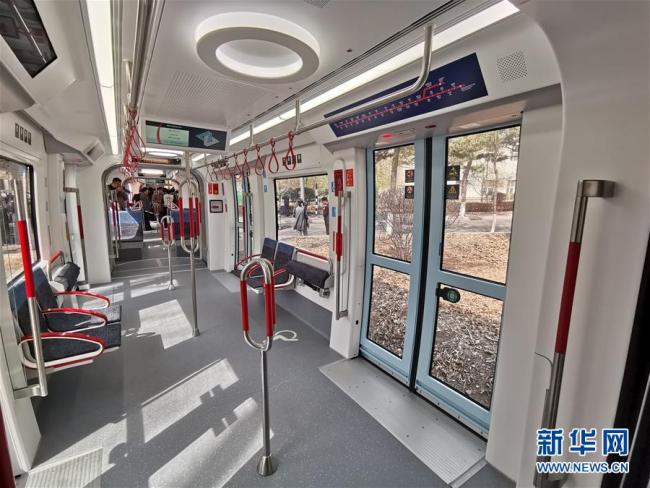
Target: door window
x=394 y=185
x=481 y=175
x=12 y=260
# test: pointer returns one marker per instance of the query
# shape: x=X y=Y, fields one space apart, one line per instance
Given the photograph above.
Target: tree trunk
x=463 y=188
x=495 y=192
x=393 y=168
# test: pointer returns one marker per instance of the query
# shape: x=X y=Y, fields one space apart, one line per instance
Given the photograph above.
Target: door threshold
x=448 y=448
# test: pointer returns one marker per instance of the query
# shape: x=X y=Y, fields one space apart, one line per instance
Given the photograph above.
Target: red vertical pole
x=191 y=205
x=181 y=218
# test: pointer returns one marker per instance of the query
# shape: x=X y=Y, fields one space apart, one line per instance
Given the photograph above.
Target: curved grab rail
x=269 y=302
x=167 y=231
x=193 y=201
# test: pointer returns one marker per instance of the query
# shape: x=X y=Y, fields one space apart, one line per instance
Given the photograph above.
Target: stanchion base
x=195 y=333
x=171 y=287
x=266 y=466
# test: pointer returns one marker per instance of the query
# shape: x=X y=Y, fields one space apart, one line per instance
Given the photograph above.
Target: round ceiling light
x=257 y=47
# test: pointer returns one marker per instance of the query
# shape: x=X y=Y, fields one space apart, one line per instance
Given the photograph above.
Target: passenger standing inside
x=168 y=199
x=158 y=203
x=326 y=214
x=146 y=207
x=302 y=220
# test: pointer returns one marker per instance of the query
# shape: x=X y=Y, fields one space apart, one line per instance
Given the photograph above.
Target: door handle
x=451 y=295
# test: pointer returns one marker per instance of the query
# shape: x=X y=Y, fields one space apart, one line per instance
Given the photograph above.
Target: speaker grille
x=512 y=67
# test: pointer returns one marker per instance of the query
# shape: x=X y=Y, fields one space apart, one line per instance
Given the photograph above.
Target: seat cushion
x=113 y=313
x=69 y=322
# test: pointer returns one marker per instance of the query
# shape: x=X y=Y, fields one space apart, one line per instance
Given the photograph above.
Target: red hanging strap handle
x=273 y=158
x=246 y=167
x=290 y=161
x=259 y=162
x=236 y=171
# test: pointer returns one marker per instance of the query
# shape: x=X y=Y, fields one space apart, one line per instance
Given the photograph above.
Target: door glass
x=241 y=215
x=389 y=309
x=481 y=177
x=466 y=343
x=394 y=192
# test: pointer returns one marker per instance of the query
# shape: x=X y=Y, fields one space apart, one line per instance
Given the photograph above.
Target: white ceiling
x=180 y=87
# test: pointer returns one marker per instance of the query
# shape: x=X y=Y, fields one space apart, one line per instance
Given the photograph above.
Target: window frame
x=275 y=194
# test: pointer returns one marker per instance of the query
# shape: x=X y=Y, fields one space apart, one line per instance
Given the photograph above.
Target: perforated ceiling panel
x=195 y=97
x=512 y=67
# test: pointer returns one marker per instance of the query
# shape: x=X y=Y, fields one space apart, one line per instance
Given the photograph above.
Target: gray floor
x=167 y=409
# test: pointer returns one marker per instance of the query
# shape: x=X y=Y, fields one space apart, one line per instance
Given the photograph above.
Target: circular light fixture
x=257 y=47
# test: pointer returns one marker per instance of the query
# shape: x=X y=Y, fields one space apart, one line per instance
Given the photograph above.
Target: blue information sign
x=454 y=83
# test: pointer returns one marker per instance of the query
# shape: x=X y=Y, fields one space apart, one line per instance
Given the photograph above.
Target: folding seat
x=60 y=318
x=80 y=341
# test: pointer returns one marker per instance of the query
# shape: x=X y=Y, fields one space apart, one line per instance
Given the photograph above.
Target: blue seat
x=60 y=349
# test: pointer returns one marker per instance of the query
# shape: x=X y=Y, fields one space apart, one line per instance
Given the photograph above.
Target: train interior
x=324 y=243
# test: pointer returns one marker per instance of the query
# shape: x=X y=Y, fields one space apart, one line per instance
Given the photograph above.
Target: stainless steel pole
x=586 y=189
x=265 y=466
x=192 y=195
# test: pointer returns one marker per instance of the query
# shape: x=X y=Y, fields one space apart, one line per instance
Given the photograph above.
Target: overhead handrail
x=40 y=388
x=266 y=466
x=391 y=97
x=167 y=238
x=586 y=189
x=194 y=244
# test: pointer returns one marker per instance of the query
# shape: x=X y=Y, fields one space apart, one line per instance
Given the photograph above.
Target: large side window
x=302 y=212
x=10 y=171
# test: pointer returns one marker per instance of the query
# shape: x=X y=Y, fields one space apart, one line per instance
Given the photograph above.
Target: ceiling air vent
x=95 y=151
x=512 y=66
x=317 y=3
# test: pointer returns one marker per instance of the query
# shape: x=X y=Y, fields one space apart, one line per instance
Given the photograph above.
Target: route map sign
x=184 y=136
x=451 y=84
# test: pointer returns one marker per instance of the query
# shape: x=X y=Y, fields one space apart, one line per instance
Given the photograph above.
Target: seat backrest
x=20 y=307
x=268 y=249
x=44 y=294
x=283 y=254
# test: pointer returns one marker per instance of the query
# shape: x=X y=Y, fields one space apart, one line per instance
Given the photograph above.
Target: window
x=21 y=27
x=10 y=171
x=480 y=196
x=394 y=185
x=302 y=212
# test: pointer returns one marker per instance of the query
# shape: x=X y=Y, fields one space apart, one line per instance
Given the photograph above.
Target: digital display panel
x=185 y=136
x=451 y=84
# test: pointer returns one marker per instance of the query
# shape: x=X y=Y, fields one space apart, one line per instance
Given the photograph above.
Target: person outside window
x=326 y=214
x=302 y=220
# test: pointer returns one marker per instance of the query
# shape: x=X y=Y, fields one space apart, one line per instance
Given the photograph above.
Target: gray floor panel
x=446 y=447
x=228 y=280
x=171 y=410
x=82 y=471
